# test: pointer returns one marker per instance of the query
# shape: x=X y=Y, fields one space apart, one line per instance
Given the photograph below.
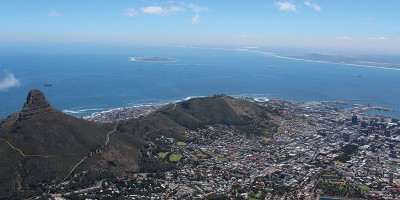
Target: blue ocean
x=98 y=77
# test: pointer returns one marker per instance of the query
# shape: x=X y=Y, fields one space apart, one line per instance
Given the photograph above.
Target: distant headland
x=152 y=59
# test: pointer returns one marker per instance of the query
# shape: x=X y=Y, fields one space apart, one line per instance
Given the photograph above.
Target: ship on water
x=152 y=59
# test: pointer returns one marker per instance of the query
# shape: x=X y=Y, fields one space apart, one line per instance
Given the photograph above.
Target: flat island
x=152 y=59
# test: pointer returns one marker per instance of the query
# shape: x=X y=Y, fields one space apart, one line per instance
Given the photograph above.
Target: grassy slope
x=191 y=114
x=120 y=157
x=56 y=133
x=202 y=111
x=67 y=138
x=62 y=135
x=172 y=121
x=8 y=169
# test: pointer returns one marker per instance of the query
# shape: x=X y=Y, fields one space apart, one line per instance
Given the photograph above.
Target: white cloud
x=344 y=38
x=9 y=81
x=130 y=12
x=173 y=9
x=196 y=19
x=163 y=11
x=286 y=6
x=197 y=9
x=54 y=14
x=377 y=38
x=313 y=6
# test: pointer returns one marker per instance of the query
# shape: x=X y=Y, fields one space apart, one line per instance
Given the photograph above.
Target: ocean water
x=92 y=78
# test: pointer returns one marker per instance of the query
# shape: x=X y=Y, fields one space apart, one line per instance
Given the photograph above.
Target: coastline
x=322 y=61
x=138 y=72
x=141 y=110
x=124 y=113
x=336 y=63
x=294 y=58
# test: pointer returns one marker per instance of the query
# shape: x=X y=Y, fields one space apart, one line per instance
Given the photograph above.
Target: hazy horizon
x=362 y=27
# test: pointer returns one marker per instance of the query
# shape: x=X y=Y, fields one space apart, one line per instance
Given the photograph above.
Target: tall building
x=354 y=119
x=376 y=137
x=364 y=124
x=387 y=133
x=393 y=153
x=391 y=177
x=382 y=126
x=346 y=137
x=370 y=129
x=372 y=123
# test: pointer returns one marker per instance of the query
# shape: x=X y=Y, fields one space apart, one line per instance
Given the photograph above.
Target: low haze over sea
x=92 y=78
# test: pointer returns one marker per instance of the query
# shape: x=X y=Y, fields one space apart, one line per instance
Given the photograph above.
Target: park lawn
x=176 y=157
x=364 y=187
x=181 y=144
x=162 y=154
x=209 y=154
x=222 y=159
x=202 y=155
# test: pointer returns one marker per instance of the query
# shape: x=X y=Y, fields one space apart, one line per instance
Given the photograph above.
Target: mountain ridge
x=36 y=104
x=46 y=145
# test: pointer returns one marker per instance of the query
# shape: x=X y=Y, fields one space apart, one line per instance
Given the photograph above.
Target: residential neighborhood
x=320 y=150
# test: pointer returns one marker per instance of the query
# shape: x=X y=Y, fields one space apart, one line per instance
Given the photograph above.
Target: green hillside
x=199 y=112
x=40 y=144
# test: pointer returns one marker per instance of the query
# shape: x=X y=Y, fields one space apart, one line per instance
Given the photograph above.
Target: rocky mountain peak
x=36 y=104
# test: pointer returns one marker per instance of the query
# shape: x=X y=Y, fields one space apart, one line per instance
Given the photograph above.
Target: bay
x=92 y=78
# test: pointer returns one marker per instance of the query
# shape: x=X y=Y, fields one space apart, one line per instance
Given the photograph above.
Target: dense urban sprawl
x=318 y=150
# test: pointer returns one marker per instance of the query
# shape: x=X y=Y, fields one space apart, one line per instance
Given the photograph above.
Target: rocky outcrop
x=35 y=104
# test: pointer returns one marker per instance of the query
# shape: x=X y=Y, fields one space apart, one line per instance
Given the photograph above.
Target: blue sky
x=362 y=24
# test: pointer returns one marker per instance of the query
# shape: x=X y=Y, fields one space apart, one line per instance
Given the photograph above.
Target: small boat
x=48 y=85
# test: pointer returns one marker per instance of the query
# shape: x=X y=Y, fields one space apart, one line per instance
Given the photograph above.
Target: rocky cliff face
x=35 y=104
